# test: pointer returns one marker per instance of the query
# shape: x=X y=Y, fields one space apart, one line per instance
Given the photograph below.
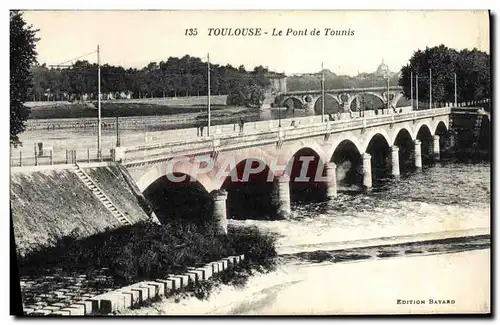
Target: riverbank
x=359 y=287
x=141 y=252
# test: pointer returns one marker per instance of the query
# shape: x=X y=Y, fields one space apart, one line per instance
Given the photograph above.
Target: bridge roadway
x=278 y=149
x=83 y=141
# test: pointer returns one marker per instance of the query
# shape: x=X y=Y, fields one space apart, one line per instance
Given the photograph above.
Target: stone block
x=207 y=272
x=41 y=312
x=215 y=268
x=51 y=308
x=111 y=302
x=143 y=293
x=221 y=266
x=62 y=312
x=27 y=311
x=231 y=261
x=177 y=282
x=198 y=273
x=134 y=295
x=225 y=264
x=76 y=310
x=160 y=288
x=191 y=277
x=87 y=306
x=151 y=289
x=242 y=257
x=184 y=280
x=59 y=304
x=95 y=306
x=169 y=285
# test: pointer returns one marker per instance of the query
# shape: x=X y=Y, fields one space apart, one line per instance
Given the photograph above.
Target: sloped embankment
x=47 y=205
x=112 y=182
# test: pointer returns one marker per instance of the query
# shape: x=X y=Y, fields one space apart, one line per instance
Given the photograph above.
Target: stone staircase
x=102 y=197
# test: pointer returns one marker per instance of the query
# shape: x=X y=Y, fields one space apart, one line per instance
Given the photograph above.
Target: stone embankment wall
x=49 y=202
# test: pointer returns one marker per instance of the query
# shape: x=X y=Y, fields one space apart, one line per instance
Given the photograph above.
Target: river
x=444 y=198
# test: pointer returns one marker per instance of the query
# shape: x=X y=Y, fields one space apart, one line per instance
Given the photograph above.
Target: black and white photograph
x=250 y=162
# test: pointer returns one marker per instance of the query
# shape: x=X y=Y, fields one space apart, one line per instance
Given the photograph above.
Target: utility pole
x=388 y=95
x=411 y=89
x=117 y=133
x=322 y=94
x=98 y=104
x=430 y=88
x=208 y=71
x=455 y=79
x=416 y=88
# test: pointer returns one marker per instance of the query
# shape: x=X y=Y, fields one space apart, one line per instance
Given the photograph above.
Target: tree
x=472 y=69
x=22 y=56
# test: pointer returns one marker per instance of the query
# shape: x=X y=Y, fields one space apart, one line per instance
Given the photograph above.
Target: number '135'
x=191 y=32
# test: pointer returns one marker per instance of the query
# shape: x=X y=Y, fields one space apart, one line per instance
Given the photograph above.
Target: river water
x=446 y=197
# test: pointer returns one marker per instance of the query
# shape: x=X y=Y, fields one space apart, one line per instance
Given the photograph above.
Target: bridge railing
x=257 y=135
x=57 y=157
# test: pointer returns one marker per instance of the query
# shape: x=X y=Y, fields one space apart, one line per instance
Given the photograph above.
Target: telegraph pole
x=98 y=104
x=416 y=88
x=455 y=80
x=322 y=93
x=430 y=88
x=208 y=70
x=411 y=88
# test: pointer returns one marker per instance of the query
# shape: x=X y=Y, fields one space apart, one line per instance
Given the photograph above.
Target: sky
x=135 y=38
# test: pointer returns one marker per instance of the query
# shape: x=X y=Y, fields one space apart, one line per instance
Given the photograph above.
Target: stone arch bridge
x=275 y=158
x=343 y=97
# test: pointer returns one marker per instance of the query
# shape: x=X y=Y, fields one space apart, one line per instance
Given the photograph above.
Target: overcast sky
x=134 y=38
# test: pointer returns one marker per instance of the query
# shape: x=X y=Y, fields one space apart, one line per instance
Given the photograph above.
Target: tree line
x=186 y=76
x=334 y=81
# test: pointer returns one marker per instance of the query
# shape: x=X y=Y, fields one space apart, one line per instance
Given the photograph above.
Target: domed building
x=383 y=69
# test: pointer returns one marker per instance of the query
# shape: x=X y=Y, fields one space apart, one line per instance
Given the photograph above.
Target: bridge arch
x=419 y=125
x=397 y=98
x=182 y=166
x=332 y=104
x=372 y=133
x=378 y=147
x=347 y=157
x=425 y=136
x=441 y=128
x=304 y=168
x=250 y=190
x=227 y=162
x=177 y=196
x=292 y=102
x=404 y=141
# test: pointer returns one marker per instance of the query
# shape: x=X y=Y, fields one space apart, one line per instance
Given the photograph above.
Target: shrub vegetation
x=146 y=251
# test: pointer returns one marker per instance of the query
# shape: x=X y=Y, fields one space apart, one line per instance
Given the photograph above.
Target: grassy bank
x=87 y=110
x=147 y=251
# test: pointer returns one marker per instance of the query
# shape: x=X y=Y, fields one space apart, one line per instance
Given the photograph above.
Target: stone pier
x=220 y=212
x=282 y=193
x=395 y=161
x=436 y=149
x=331 y=169
x=418 y=154
x=367 y=171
